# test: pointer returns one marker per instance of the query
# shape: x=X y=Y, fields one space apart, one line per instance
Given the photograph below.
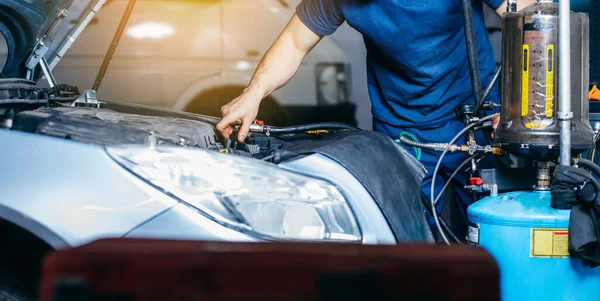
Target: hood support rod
x=113 y=45
x=47 y=72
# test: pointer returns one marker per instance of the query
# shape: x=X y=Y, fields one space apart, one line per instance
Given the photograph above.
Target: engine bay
x=55 y=112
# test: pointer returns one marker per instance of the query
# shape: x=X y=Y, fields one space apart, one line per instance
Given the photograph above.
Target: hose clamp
x=564 y=115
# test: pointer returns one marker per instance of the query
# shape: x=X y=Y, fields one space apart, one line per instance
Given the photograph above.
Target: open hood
x=41 y=28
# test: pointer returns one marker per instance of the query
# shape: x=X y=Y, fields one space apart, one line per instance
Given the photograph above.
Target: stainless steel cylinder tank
x=530 y=84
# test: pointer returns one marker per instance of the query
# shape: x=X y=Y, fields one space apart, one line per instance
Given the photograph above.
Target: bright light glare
x=151 y=30
x=242 y=65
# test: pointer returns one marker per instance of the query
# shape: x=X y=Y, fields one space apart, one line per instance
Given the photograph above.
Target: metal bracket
x=35 y=58
x=40 y=49
x=564 y=115
x=88 y=98
x=38 y=58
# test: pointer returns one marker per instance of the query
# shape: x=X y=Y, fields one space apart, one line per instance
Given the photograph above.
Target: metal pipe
x=565 y=115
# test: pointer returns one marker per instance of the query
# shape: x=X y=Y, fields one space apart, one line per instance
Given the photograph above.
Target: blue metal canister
x=529 y=240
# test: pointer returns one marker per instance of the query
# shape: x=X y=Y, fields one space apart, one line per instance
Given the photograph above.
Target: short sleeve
x=323 y=17
x=493 y=3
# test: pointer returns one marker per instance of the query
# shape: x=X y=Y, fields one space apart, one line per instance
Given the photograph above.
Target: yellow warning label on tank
x=525 y=81
x=549 y=242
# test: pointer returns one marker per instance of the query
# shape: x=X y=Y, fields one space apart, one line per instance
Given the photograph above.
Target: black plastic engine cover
x=107 y=127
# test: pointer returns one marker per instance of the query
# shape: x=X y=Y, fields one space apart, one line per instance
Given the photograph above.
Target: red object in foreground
x=476 y=181
x=144 y=270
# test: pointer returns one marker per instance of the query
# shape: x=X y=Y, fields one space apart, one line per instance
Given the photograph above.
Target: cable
x=427 y=204
x=449 y=180
x=437 y=167
x=488 y=90
x=446 y=185
x=592 y=153
x=310 y=127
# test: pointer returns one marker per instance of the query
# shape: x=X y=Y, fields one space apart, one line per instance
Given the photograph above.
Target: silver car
x=75 y=169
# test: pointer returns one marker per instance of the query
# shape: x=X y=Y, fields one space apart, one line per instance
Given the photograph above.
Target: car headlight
x=331 y=84
x=247 y=195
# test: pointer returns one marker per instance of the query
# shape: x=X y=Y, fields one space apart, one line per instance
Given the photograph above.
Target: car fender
x=32 y=226
x=69 y=193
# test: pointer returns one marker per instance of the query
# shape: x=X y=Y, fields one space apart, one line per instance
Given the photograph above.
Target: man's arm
x=276 y=68
x=501 y=10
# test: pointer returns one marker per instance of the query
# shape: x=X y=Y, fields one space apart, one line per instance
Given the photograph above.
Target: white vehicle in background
x=197 y=55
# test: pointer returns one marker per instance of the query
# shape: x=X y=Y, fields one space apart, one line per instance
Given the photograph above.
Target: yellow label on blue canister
x=547 y=242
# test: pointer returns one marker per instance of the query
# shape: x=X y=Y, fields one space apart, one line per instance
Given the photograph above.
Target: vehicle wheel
x=210 y=103
x=21 y=256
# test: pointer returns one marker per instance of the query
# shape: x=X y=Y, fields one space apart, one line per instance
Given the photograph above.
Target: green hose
x=411 y=136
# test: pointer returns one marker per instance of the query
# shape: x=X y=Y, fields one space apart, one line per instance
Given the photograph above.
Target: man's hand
x=241 y=110
x=276 y=68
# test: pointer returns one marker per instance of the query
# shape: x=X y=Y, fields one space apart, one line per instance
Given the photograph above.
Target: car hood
x=36 y=28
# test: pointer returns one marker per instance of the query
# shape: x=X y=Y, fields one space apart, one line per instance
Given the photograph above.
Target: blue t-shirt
x=417 y=66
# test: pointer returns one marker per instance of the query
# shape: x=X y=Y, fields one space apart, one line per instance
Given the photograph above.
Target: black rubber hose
x=589 y=165
x=311 y=127
x=502 y=161
x=467 y=11
x=488 y=89
x=445 y=227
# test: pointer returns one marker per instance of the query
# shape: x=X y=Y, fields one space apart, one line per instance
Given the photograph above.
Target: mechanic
x=417 y=66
